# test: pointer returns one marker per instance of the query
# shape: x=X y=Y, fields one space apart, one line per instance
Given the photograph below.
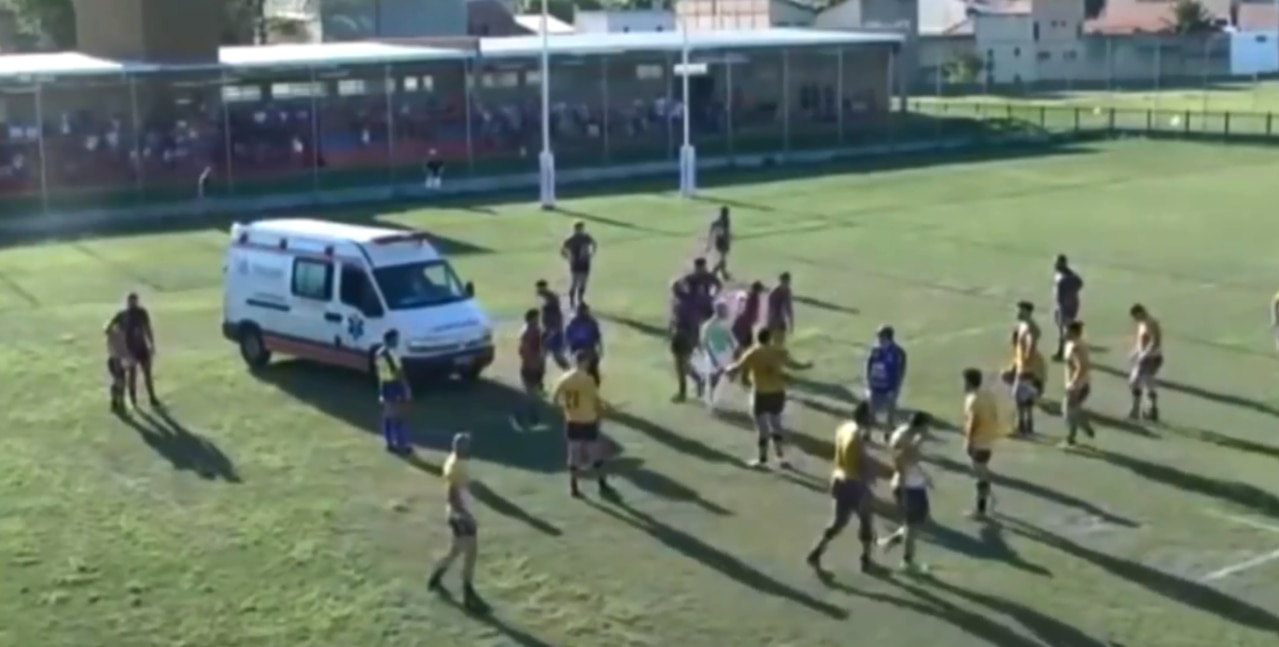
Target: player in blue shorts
x=885 y=374
x=394 y=394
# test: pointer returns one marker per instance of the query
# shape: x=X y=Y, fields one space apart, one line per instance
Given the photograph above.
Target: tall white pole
x=546 y=161
x=40 y=147
x=687 y=154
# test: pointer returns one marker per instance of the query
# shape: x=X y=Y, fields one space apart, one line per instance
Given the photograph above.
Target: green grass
x=1241 y=97
x=265 y=513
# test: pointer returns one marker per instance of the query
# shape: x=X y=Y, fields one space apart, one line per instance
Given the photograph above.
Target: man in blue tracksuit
x=885 y=374
x=582 y=334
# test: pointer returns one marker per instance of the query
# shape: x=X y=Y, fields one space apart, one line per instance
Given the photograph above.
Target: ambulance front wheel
x=252 y=348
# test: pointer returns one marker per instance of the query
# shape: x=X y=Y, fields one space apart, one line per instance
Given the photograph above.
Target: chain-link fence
x=1202 y=73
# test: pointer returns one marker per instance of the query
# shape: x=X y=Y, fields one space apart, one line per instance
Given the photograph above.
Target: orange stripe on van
x=315 y=351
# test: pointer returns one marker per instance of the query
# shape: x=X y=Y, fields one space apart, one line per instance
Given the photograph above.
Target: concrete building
x=621 y=22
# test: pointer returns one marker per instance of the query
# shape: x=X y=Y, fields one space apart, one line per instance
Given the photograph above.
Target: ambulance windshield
x=419 y=285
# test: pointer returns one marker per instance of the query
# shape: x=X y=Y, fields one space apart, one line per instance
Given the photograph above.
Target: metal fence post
x=388 y=96
x=42 y=148
x=604 y=125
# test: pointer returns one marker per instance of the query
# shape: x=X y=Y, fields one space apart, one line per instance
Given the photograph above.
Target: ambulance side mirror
x=470 y=289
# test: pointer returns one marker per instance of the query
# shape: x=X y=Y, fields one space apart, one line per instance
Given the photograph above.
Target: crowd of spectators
x=190 y=138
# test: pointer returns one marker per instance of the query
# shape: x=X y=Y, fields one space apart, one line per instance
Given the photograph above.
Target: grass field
x=262 y=511
x=1241 y=97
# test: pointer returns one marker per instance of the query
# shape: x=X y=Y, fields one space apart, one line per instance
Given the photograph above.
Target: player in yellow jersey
x=461 y=523
x=1028 y=367
x=1078 y=383
x=850 y=488
x=910 y=486
x=578 y=394
x=765 y=365
x=1147 y=359
x=981 y=433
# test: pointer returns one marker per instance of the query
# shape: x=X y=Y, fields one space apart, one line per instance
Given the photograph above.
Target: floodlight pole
x=546 y=160
x=687 y=154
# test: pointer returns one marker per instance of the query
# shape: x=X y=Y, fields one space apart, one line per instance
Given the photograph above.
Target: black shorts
x=742 y=335
x=850 y=499
x=141 y=356
x=912 y=504
x=980 y=456
x=115 y=368
x=462 y=526
x=1065 y=313
x=682 y=343
x=580 y=267
x=1077 y=397
x=582 y=432
x=768 y=404
x=533 y=378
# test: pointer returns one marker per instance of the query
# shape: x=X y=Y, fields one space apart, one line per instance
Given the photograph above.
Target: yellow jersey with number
x=579 y=396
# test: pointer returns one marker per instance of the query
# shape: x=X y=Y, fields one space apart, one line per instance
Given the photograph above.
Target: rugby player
x=577 y=392
x=718 y=350
x=981 y=432
x=910 y=487
x=393 y=394
x=1078 y=383
x=117 y=363
x=579 y=250
x=704 y=287
x=779 y=314
x=582 y=335
x=1027 y=370
x=1066 y=288
x=1147 y=359
x=685 y=322
x=885 y=375
x=747 y=316
x=852 y=477
x=719 y=239
x=552 y=322
x=765 y=364
x=139 y=338
x=434 y=171
x=461 y=523
x=532 y=370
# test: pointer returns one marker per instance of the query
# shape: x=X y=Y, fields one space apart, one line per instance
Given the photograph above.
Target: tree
x=1190 y=17
x=43 y=24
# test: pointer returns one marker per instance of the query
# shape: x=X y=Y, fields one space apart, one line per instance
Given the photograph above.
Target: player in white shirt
x=910 y=487
x=716 y=350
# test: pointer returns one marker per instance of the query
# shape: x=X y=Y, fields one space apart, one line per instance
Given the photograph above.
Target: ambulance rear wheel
x=252 y=348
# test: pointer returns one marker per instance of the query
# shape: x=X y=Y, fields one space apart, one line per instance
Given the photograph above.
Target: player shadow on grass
x=184 y=449
x=491 y=620
x=814 y=302
x=1222 y=440
x=490 y=498
x=924 y=601
x=1036 y=490
x=603 y=220
x=679 y=443
x=644 y=328
x=633 y=470
x=988 y=545
x=438 y=411
x=1227 y=399
x=1237 y=493
x=1174 y=588
x=714 y=558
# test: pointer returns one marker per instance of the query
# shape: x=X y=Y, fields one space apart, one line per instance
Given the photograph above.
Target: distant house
x=704 y=15
x=624 y=21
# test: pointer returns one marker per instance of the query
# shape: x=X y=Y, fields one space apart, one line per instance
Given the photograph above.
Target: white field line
x=1250 y=563
x=1242 y=566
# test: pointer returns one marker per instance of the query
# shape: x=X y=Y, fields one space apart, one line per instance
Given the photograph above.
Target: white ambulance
x=328 y=292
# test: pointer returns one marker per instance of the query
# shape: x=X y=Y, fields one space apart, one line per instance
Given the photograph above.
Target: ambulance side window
x=357 y=292
x=313 y=279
